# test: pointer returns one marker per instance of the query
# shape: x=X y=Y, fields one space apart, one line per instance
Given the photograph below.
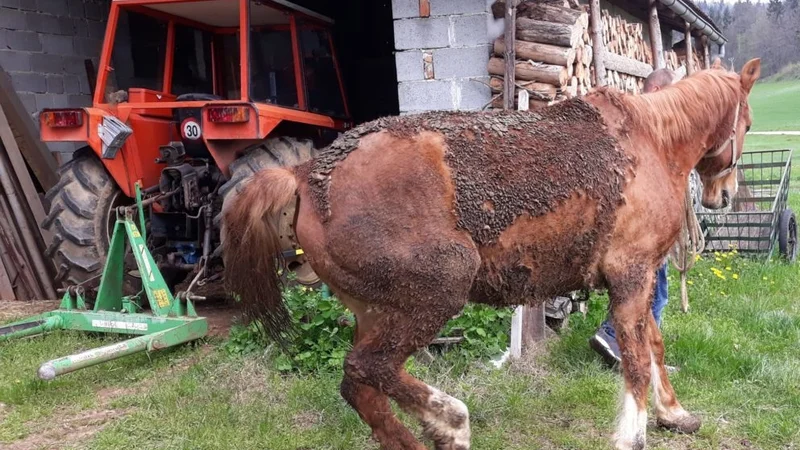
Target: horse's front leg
x=669 y=412
x=630 y=294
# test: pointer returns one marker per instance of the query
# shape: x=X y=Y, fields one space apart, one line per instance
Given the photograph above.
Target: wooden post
x=656 y=43
x=598 y=48
x=527 y=328
x=510 y=55
x=689 y=51
x=706 y=56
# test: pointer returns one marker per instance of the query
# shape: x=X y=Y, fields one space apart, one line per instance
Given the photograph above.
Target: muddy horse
x=409 y=218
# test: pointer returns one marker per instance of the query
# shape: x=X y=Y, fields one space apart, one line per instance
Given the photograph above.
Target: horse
x=409 y=218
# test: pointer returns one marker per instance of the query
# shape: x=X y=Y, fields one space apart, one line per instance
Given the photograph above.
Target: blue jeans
x=660 y=299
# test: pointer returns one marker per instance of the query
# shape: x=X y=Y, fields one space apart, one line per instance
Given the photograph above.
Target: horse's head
x=717 y=169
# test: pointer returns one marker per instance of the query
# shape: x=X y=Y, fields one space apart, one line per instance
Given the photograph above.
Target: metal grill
x=751 y=225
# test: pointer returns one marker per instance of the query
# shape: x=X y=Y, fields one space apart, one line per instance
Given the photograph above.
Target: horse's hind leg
x=630 y=290
x=373 y=406
x=669 y=412
x=377 y=361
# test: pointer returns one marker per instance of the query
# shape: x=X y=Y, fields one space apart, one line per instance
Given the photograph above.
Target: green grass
x=738 y=349
x=775 y=106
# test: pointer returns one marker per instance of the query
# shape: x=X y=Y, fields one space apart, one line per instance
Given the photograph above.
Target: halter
x=722 y=148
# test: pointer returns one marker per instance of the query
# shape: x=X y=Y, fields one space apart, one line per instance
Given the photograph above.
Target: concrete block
x=44 y=63
x=44 y=101
x=42 y=23
x=11 y=60
x=403 y=9
x=432 y=32
x=474 y=93
x=426 y=95
x=12 y=19
x=87 y=47
x=469 y=30
x=55 y=44
x=23 y=41
x=55 y=84
x=28 y=100
x=60 y=101
x=94 y=11
x=409 y=65
x=79 y=101
x=76 y=8
x=54 y=7
x=29 y=82
x=450 y=7
x=10 y=4
x=27 y=5
x=461 y=62
x=80 y=27
x=74 y=65
x=85 y=88
x=3 y=41
x=97 y=30
x=72 y=84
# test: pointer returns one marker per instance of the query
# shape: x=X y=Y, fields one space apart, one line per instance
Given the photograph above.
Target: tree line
x=770 y=31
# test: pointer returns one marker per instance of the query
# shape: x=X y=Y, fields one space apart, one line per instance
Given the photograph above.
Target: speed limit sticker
x=191 y=129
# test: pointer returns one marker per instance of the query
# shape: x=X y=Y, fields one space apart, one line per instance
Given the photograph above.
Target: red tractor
x=191 y=97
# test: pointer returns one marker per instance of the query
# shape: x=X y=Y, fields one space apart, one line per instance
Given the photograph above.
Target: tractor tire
x=81 y=211
x=275 y=152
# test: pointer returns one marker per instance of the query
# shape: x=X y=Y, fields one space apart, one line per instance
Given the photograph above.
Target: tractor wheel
x=276 y=152
x=787 y=235
x=80 y=217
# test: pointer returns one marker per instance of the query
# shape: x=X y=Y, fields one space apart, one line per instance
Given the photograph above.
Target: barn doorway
x=364 y=40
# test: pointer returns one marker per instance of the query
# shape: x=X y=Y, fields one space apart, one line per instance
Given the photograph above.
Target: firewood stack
x=625 y=39
x=674 y=61
x=553 y=53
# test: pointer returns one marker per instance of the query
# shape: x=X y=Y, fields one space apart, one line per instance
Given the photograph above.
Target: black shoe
x=606 y=346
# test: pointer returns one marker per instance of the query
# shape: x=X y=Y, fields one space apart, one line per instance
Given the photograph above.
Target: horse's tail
x=252 y=250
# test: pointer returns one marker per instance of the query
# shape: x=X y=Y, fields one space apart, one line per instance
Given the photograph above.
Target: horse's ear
x=717 y=64
x=750 y=73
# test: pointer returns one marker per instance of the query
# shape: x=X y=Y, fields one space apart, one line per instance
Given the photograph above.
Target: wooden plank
x=9 y=144
x=655 y=37
x=689 y=52
x=35 y=152
x=510 y=55
x=533 y=325
x=424 y=8
x=598 y=48
x=6 y=289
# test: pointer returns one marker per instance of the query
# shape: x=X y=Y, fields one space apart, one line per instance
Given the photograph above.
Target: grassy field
x=738 y=350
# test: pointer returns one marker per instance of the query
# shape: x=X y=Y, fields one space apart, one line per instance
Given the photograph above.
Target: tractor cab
x=190 y=98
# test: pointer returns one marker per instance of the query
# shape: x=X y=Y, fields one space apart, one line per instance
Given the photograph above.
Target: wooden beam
x=509 y=54
x=689 y=51
x=9 y=144
x=533 y=325
x=35 y=152
x=656 y=44
x=598 y=48
x=706 y=55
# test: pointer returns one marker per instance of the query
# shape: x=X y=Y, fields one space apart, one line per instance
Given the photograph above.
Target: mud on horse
x=409 y=218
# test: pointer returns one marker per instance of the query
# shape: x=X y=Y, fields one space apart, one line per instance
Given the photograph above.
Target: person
x=604 y=341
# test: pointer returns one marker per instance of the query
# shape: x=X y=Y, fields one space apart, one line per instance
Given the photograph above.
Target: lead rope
x=690 y=243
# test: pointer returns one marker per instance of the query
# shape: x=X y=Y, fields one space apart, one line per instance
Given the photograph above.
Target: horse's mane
x=679 y=114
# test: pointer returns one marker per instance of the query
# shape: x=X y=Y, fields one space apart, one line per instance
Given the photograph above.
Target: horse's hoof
x=687 y=424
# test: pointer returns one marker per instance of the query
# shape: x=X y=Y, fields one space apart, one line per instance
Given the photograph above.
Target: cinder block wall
x=43 y=44
x=442 y=59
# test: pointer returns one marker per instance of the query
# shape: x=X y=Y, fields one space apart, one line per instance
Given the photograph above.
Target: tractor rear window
x=192 y=71
x=322 y=83
x=139 y=51
x=272 y=67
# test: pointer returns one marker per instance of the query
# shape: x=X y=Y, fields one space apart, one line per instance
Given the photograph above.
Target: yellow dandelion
x=716 y=254
x=722 y=292
x=689 y=282
x=728 y=268
x=764 y=278
x=697 y=257
x=718 y=259
x=735 y=276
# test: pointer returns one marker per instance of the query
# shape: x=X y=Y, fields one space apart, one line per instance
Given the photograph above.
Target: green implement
x=170 y=321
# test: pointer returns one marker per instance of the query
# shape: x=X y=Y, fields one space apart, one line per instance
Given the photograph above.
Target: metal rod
x=20 y=330
x=44 y=277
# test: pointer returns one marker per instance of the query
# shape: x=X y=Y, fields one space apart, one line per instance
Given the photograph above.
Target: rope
x=689 y=244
